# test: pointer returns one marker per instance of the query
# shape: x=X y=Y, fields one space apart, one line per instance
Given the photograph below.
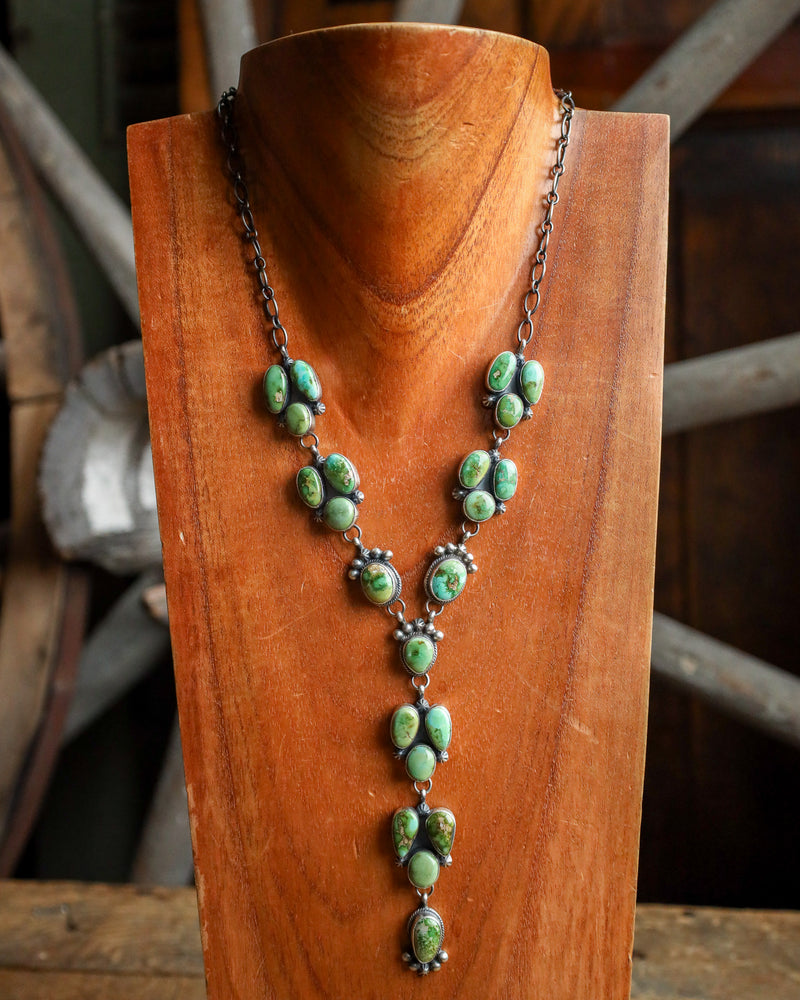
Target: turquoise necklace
x=329 y=485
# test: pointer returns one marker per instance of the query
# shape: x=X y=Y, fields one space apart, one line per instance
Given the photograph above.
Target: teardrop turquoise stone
x=276 y=388
x=439 y=726
x=532 y=381
x=309 y=486
x=420 y=763
x=341 y=473
x=505 y=479
x=447 y=580
x=508 y=411
x=404 y=726
x=426 y=938
x=419 y=653
x=479 y=505
x=501 y=371
x=474 y=468
x=441 y=827
x=340 y=513
x=423 y=869
x=306 y=380
x=299 y=419
x=405 y=826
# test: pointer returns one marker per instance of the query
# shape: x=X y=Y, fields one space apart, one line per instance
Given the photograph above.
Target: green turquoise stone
x=441 y=827
x=508 y=411
x=404 y=726
x=341 y=473
x=306 y=380
x=309 y=486
x=420 y=763
x=423 y=869
x=426 y=938
x=419 y=653
x=405 y=826
x=474 y=468
x=299 y=419
x=479 y=505
x=501 y=371
x=531 y=380
x=505 y=479
x=276 y=388
x=380 y=583
x=439 y=726
x=447 y=580
x=340 y=513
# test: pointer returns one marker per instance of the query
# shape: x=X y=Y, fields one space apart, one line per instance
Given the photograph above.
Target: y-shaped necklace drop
x=421 y=733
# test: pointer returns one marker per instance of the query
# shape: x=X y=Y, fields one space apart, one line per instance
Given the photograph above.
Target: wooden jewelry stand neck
x=397 y=176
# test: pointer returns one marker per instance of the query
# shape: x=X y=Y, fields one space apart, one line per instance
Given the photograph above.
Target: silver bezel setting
x=442 y=554
x=382 y=557
x=423 y=968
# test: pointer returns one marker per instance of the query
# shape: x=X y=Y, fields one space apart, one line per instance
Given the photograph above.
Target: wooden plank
x=16 y=985
x=96 y=211
x=732 y=681
x=706 y=58
x=739 y=382
x=242 y=626
x=138 y=943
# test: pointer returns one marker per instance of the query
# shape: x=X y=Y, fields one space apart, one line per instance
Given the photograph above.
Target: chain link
x=235 y=165
x=533 y=296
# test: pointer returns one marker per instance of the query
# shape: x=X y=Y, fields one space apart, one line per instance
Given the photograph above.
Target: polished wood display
x=398 y=175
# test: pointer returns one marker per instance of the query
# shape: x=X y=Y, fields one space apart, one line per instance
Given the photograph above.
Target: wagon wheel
x=44 y=600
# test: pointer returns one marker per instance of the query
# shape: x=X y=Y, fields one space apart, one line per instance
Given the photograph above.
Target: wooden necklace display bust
x=397 y=175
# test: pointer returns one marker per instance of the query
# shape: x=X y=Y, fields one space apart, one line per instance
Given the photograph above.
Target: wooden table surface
x=66 y=941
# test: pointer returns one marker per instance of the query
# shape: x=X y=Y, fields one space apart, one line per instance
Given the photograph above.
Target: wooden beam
x=431 y=11
x=97 y=212
x=164 y=856
x=734 y=682
x=695 y=70
x=122 y=649
x=229 y=31
x=736 y=383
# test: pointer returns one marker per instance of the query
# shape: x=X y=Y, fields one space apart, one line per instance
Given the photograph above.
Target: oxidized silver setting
x=423 y=968
x=328 y=492
x=383 y=558
x=492 y=398
x=442 y=553
x=418 y=629
x=423 y=707
x=486 y=484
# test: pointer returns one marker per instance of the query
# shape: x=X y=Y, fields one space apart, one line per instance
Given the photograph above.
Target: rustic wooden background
x=721 y=806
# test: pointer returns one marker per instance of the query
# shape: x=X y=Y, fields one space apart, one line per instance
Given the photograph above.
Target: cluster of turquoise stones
x=515 y=385
x=293 y=392
x=330 y=488
x=486 y=482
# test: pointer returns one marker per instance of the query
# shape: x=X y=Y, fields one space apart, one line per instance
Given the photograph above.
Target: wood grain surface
x=66 y=941
x=398 y=175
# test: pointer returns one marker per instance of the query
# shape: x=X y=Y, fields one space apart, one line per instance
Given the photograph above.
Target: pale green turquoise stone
x=508 y=411
x=423 y=869
x=501 y=371
x=405 y=826
x=441 y=827
x=420 y=763
x=276 y=388
x=448 y=580
x=340 y=513
x=479 y=505
x=309 y=486
x=404 y=726
x=306 y=380
x=299 y=419
x=379 y=583
x=532 y=381
x=474 y=468
x=419 y=653
x=341 y=473
x=439 y=726
x=505 y=479
x=426 y=938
